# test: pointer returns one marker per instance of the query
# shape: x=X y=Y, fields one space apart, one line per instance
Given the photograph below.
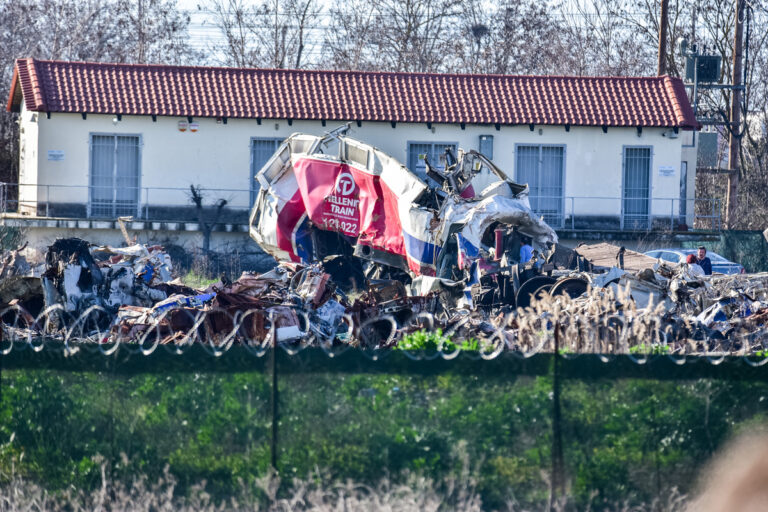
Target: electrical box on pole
x=708 y=68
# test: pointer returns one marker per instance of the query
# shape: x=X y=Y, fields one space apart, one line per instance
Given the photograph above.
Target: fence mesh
x=746 y=247
x=513 y=430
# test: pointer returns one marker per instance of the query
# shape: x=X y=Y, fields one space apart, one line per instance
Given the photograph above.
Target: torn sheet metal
x=645 y=292
x=477 y=216
x=13 y=263
x=602 y=280
x=388 y=214
x=78 y=276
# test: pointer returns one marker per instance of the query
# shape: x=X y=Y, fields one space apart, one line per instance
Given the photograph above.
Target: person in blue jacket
x=704 y=262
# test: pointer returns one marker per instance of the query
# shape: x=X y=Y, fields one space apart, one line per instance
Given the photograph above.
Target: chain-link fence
x=492 y=429
x=746 y=247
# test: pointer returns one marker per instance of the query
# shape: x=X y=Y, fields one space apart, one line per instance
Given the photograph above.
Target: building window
x=114 y=175
x=261 y=151
x=486 y=146
x=636 y=189
x=542 y=168
x=434 y=151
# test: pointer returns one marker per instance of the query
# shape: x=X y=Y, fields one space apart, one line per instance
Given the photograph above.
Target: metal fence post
x=719 y=215
x=274 y=398
x=671 y=214
x=47 y=200
x=573 y=213
x=557 y=478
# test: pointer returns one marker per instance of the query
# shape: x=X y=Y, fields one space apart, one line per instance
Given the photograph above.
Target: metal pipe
x=573 y=213
x=557 y=482
x=734 y=142
x=274 y=393
x=671 y=215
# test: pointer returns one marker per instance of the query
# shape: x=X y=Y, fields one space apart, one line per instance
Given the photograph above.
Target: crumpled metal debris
x=337 y=196
x=13 y=263
x=79 y=277
x=125 y=295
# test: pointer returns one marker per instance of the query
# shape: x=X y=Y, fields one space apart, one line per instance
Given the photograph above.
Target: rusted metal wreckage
x=336 y=200
x=368 y=252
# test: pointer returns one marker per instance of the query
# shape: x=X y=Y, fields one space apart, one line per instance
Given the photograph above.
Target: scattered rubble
x=370 y=252
x=105 y=294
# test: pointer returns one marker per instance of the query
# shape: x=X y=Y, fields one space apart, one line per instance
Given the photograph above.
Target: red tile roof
x=82 y=87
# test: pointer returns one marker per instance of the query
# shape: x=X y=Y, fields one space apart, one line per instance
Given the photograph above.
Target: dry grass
x=311 y=495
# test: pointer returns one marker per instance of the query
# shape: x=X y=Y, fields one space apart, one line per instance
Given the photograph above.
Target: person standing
x=526 y=251
x=695 y=268
x=703 y=261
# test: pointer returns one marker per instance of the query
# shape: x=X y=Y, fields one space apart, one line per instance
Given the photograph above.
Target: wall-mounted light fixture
x=670 y=134
x=183 y=125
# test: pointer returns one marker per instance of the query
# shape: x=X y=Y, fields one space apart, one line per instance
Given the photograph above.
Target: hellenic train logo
x=345 y=184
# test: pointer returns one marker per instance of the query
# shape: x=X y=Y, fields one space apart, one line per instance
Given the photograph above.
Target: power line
x=387 y=15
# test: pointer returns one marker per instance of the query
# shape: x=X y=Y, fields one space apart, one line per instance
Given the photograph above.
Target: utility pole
x=662 y=67
x=732 y=199
x=140 y=23
x=694 y=14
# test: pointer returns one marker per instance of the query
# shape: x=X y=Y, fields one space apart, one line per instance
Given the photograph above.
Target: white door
x=541 y=167
x=637 y=188
x=114 y=176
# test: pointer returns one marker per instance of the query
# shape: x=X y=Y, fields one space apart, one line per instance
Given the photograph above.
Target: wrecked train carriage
x=336 y=196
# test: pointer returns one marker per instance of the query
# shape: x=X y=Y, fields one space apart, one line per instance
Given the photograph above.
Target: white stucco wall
x=41 y=238
x=690 y=141
x=218 y=155
x=28 y=160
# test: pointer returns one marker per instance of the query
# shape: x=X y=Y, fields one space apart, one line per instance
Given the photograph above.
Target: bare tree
x=97 y=30
x=513 y=37
x=207 y=215
x=601 y=42
x=718 y=23
x=643 y=19
x=161 y=33
x=394 y=35
x=269 y=34
x=348 y=42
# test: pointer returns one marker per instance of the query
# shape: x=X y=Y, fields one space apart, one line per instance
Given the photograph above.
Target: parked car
x=719 y=264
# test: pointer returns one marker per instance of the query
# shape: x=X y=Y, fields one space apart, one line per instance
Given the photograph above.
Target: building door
x=636 y=193
x=261 y=151
x=114 y=176
x=542 y=168
x=434 y=151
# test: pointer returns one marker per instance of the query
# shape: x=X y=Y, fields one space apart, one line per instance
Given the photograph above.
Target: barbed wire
x=639 y=335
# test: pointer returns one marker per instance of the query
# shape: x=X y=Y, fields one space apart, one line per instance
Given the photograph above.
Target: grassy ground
x=197 y=280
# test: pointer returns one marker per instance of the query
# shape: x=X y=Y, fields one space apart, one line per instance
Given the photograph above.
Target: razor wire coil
x=523 y=333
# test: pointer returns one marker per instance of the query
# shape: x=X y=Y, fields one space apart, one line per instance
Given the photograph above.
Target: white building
x=100 y=141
